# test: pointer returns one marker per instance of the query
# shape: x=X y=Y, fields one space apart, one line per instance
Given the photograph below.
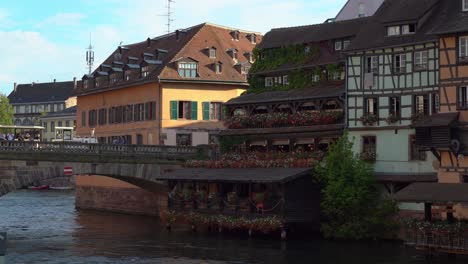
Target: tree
x=352 y=203
x=6 y=111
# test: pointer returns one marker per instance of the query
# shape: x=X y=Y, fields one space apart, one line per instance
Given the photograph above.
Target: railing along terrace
x=281 y=120
x=97 y=149
x=450 y=238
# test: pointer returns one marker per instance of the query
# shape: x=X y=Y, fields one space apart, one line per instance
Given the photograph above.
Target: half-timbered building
x=392 y=82
x=296 y=98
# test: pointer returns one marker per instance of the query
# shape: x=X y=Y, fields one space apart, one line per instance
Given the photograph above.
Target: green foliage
x=6 y=111
x=354 y=207
x=230 y=143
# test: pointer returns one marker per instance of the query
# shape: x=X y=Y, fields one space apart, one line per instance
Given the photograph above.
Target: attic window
x=144 y=71
x=245 y=69
x=253 y=38
x=147 y=56
x=113 y=78
x=465 y=5
x=338 y=45
x=249 y=56
x=85 y=84
x=188 y=69
x=212 y=53
x=161 y=54
x=235 y=35
x=401 y=30
x=128 y=75
x=233 y=53
x=219 y=67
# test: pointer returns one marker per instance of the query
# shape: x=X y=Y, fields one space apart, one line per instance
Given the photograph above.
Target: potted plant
x=369 y=119
x=392 y=118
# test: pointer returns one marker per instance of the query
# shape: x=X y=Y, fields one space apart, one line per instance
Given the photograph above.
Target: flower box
x=369 y=120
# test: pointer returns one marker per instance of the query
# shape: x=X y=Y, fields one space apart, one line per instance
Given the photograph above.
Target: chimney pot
x=15 y=85
x=75 y=84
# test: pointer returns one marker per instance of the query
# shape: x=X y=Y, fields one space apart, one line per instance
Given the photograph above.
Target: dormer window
x=253 y=38
x=97 y=83
x=249 y=56
x=212 y=53
x=144 y=71
x=401 y=30
x=147 y=56
x=245 y=69
x=128 y=75
x=341 y=44
x=338 y=45
x=161 y=54
x=233 y=53
x=465 y=5
x=188 y=69
x=346 y=44
x=235 y=35
x=85 y=84
x=113 y=78
x=219 y=67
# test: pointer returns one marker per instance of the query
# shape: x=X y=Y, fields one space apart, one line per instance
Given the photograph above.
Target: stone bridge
x=24 y=164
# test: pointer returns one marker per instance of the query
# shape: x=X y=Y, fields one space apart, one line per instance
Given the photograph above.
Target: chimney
x=75 y=84
x=177 y=34
x=55 y=80
x=15 y=85
x=148 y=42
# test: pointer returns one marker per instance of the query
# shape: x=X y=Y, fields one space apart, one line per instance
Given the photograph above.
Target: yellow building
x=64 y=118
x=167 y=90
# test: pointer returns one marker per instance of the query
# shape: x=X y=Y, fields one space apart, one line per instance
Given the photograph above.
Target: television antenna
x=169 y=15
x=90 y=56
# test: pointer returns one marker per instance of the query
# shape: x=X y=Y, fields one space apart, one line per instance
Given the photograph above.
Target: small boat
x=39 y=188
x=61 y=188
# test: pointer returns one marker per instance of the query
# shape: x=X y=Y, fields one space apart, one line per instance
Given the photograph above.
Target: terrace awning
x=434 y=193
x=257 y=175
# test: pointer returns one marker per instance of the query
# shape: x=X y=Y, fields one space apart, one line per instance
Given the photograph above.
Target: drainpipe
x=345 y=105
x=160 y=112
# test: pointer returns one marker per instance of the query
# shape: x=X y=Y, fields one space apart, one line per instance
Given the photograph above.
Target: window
x=253 y=38
x=372 y=64
x=362 y=10
x=278 y=80
x=370 y=106
x=399 y=63
x=85 y=84
x=67 y=123
x=369 y=145
x=395 y=107
x=463 y=53
x=184 y=140
x=463 y=97
x=465 y=5
x=188 y=70
x=393 y=31
x=435 y=103
x=150 y=110
x=45 y=127
x=346 y=44
x=286 y=79
x=334 y=75
x=184 y=110
x=128 y=75
x=338 y=45
x=416 y=153
x=144 y=71
x=213 y=53
x=235 y=35
x=420 y=60
x=113 y=78
x=83 y=119
x=421 y=104
x=52 y=126
x=102 y=120
x=219 y=67
x=92 y=118
x=245 y=69
x=408 y=29
x=316 y=78
x=268 y=81
x=215 y=111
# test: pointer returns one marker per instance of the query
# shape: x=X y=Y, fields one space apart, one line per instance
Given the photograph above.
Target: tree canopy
x=6 y=111
x=354 y=206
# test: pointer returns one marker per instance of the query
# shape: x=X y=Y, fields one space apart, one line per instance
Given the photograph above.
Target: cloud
x=63 y=20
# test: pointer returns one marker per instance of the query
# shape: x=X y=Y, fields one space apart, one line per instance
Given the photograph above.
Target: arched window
x=27 y=122
x=17 y=122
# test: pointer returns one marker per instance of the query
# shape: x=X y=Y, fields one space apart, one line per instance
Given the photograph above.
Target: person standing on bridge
x=10 y=136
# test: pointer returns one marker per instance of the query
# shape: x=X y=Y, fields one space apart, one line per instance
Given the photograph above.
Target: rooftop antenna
x=90 y=56
x=169 y=15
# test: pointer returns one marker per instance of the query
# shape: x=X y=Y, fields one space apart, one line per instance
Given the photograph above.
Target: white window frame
x=370 y=106
x=405 y=29
x=144 y=71
x=463 y=102
x=421 y=60
x=215 y=111
x=374 y=64
x=463 y=48
x=393 y=31
x=401 y=68
x=316 y=78
x=338 y=45
x=286 y=79
x=268 y=81
x=212 y=53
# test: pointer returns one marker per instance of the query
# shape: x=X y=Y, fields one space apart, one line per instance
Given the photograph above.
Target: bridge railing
x=83 y=148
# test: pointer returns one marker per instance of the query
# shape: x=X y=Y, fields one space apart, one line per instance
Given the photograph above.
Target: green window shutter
x=224 y=112
x=194 y=109
x=206 y=110
x=174 y=110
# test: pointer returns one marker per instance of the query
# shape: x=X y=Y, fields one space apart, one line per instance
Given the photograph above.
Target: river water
x=44 y=227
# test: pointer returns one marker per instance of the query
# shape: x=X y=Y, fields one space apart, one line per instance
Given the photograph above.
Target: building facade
x=167 y=90
x=64 y=118
x=31 y=101
x=296 y=101
x=392 y=82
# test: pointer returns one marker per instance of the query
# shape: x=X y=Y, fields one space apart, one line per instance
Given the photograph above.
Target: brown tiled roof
x=281 y=37
x=192 y=43
x=451 y=18
x=439 y=120
x=397 y=12
x=325 y=90
x=434 y=193
x=41 y=92
x=237 y=175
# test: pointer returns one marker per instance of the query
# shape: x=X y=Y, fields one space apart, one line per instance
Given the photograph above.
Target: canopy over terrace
x=290 y=194
x=434 y=193
x=254 y=175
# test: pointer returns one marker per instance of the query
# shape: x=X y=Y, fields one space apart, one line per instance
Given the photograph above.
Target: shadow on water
x=44 y=227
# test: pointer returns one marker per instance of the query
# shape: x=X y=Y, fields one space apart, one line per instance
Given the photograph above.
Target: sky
x=45 y=40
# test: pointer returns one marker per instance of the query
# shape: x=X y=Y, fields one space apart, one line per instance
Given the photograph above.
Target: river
x=44 y=227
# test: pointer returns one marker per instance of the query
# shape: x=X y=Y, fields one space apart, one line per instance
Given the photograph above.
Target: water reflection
x=44 y=227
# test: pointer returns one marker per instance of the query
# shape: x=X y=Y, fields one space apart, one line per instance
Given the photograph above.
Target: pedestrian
x=10 y=136
x=2 y=137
